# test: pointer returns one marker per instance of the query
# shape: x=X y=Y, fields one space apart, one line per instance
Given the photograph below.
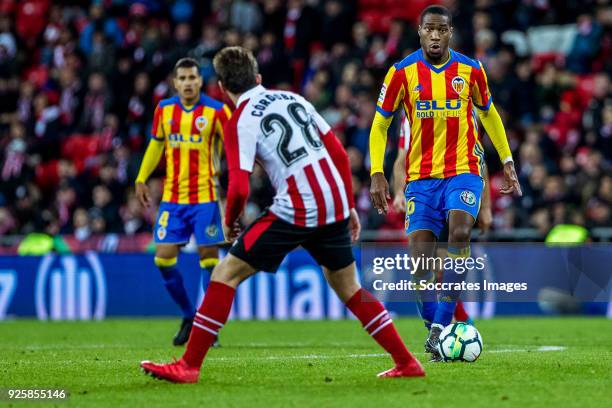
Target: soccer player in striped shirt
x=441 y=92
x=313 y=208
x=189 y=127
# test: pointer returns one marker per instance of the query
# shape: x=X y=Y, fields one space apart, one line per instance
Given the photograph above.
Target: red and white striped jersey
x=283 y=131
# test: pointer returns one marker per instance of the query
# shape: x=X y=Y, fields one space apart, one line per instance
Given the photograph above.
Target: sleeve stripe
x=227 y=111
x=392 y=91
x=383 y=112
x=156 y=126
x=486 y=107
x=483 y=86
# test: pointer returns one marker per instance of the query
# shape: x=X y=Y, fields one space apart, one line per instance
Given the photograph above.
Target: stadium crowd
x=79 y=81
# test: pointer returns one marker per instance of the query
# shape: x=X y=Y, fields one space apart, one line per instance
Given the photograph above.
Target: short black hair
x=435 y=9
x=186 y=63
x=236 y=68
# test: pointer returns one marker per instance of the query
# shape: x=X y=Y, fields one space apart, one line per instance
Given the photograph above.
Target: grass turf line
x=309 y=364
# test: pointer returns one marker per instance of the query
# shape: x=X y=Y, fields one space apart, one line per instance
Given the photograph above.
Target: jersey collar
x=195 y=105
x=451 y=59
x=250 y=93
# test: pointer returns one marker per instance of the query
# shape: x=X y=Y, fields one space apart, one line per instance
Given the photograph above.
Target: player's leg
x=210 y=318
x=215 y=308
x=422 y=244
x=172 y=230
x=461 y=202
x=209 y=258
x=262 y=246
x=166 y=256
x=208 y=230
x=460 y=230
x=461 y=314
x=375 y=320
x=424 y=221
x=331 y=247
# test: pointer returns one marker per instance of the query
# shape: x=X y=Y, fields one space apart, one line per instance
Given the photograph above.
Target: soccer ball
x=460 y=342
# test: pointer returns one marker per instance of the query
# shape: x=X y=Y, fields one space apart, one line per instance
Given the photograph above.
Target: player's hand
x=379 y=193
x=511 y=184
x=399 y=203
x=142 y=192
x=354 y=225
x=485 y=219
x=232 y=232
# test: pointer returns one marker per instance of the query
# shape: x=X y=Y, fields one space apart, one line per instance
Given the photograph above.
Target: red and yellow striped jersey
x=439 y=102
x=193 y=140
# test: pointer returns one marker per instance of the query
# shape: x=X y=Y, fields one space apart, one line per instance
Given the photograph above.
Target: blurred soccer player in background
x=313 y=208
x=189 y=127
x=439 y=89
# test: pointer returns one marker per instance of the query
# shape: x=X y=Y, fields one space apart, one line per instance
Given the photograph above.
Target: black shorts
x=264 y=244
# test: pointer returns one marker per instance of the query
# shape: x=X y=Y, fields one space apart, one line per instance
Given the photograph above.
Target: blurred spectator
x=80 y=224
x=71 y=98
x=14 y=153
x=106 y=209
x=46 y=126
x=99 y=23
x=132 y=217
x=7 y=222
x=586 y=45
x=245 y=16
x=8 y=46
x=30 y=20
x=96 y=103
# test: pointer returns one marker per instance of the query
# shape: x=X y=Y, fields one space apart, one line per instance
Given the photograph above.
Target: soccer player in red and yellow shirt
x=440 y=90
x=189 y=127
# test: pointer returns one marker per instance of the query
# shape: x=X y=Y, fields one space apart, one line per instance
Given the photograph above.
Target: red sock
x=460 y=313
x=209 y=319
x=377 y=322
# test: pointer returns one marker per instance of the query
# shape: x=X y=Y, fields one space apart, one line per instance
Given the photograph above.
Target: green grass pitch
x=527 y=362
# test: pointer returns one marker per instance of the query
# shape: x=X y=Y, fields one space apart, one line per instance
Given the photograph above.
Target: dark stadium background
x=79 y=81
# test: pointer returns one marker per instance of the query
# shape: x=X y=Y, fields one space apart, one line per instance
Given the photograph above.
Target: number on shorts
x=163 y=219
x=410 y=206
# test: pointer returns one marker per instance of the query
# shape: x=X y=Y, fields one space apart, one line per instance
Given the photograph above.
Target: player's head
x=237 y=70
x=435 y=31
x=187 y=79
